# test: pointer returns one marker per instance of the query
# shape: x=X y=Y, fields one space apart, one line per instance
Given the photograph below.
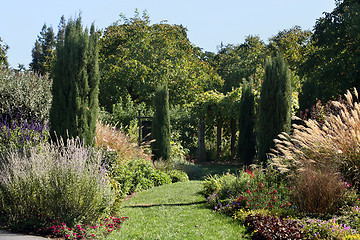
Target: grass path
x=175 y=211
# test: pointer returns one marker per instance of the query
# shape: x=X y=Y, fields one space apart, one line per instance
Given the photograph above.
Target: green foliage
x=134 y=55
x=294 y=43
x=243 y=61
x=53 y=181
x=138 y=175
x=75 y=84
x=43 y=52
x=335 y=60
x=3 y=51
x=125 y=112
x=246 y=140
x=275 y=105
x=24 y=93
x=160 y=130
x=177 y=176
x=258 y=189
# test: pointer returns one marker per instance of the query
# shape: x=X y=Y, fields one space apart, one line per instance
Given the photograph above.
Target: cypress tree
x=246 y=140
x=75 y=84
x=161 y=124
x=274 y=106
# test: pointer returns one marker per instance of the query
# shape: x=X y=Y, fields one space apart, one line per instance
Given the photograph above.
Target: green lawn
x=175 y=211
x=212 y=169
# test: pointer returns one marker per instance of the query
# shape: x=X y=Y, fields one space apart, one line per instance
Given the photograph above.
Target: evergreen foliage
x=246 y=140
x=43 y=51
x=75 y=84
x=3 y=54
x=274 y=106
x=161 y=123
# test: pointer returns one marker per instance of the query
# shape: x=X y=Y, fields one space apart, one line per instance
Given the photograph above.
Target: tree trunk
x=233 y=138
x=218 y=139
x=201 y=141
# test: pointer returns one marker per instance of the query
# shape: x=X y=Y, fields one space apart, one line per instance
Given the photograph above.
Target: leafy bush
x=177 y=176
x=251 y=189
x=270 y=227
x=25 y=92
x=53 y=181
x=124 y=112
x=137 y=175
x=178 y=161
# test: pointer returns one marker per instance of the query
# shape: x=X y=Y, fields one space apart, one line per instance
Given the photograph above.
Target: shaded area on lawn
x=166 y=205
x=216 y=168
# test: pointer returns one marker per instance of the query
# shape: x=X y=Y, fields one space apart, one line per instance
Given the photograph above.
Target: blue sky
x=208 y=22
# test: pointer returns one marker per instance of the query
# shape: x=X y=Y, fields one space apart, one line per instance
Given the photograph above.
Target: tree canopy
x=3 y=54
x=333 y=66
x=135 y=54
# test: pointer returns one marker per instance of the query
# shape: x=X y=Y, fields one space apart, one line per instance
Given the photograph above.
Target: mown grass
x=175 y=211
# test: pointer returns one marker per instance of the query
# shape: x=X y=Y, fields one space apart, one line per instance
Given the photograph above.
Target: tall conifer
x=274 y=106
x=161 y=124
x=75 y=84
x=246 y=140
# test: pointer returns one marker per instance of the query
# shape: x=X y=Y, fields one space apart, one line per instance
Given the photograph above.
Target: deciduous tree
x=135 y=54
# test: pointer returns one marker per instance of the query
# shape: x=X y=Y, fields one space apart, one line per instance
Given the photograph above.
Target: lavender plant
x=17 y=132
x=53 y=181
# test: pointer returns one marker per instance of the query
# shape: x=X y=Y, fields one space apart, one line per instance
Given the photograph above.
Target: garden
x=246 y=143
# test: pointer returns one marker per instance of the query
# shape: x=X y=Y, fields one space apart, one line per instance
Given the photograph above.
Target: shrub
x=329 y=189
x=53 y=182
x=258 y=189
x=178 y=161
x=270 y=227
x=333 y=145
x=178 y=176
x=137 y=175
x=25 y=92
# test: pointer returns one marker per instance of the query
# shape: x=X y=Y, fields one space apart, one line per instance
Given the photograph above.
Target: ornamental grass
x=332 y=145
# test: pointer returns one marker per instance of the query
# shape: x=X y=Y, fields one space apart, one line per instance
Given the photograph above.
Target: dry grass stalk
x=333 y=145
x=109 y=138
